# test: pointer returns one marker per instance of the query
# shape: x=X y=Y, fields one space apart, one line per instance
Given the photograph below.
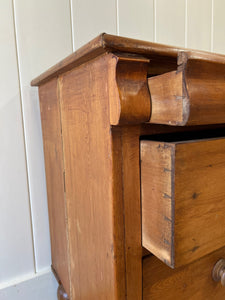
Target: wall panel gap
x=212 y=25
x=24 y=139
x=117 y=18
x=71 y=24
x=186 y=23
x=154 y=21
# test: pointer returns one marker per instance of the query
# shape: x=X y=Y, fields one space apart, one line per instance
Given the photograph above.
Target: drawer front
x=191 y=95
x=186 y=283
x=183 y=199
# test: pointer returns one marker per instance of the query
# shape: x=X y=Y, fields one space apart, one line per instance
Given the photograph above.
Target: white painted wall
x=33 y=36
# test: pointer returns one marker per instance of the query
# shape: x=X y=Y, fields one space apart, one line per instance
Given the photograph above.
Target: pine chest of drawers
x=134 y=142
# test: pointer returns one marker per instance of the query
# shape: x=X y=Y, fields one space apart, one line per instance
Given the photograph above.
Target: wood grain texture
x=187 y=178
x=96 y=249
x=51 y=127
x=43 y=36
x=191 y=282
x=157 y=179
x=101 y=86
x=205 y=83
x=127 y=176
x=129 y=98
x=191 y=95
x=132 y=211
x=106 y=43
x=111 y=43
x=167 y=99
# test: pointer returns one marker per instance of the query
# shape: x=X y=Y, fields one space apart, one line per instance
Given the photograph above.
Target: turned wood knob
x=62 y=295
x=218 y=273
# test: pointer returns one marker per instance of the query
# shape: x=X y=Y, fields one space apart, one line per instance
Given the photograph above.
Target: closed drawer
x=192 y=282
x=191 y=95
x=183 y=198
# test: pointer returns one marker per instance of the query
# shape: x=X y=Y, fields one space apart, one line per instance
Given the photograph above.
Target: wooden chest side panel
x=96 y=250
x=51 y=129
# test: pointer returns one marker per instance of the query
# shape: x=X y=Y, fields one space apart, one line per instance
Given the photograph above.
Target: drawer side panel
x=157 y=199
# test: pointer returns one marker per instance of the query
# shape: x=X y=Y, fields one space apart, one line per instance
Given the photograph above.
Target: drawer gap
x=187 y=135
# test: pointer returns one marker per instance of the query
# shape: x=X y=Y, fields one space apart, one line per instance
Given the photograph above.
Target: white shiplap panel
x=199 y=21
x=170 y=22
x=219 y=26
x=43 y=35
x=42 y=286
x=136 y=19
x=91 y=18
x=16 y=246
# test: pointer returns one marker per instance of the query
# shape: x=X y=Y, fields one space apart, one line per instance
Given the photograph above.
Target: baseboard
x=41 y=286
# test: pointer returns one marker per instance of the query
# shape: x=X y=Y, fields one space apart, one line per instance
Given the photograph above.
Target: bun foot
x=62 y=295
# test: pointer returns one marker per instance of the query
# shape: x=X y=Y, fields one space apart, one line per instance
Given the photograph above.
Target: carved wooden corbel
x=128 y=90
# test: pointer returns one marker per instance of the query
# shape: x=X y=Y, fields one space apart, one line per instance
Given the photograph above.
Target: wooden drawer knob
x=62 y=295
x=218 y=273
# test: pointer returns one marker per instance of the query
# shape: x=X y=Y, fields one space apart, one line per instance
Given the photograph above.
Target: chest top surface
x=154 y=83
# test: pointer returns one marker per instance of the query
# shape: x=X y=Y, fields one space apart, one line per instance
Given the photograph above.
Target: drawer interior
x=182 y=136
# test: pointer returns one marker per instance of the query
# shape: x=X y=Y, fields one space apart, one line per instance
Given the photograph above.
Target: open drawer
x=183 y=198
